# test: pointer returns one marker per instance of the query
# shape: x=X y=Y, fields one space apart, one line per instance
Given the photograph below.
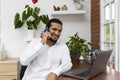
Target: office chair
x=22 y=71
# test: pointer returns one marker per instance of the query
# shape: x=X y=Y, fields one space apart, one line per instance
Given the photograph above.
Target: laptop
x=90 y=72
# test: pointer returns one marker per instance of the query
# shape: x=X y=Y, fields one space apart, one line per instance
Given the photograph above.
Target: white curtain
x=117 y=35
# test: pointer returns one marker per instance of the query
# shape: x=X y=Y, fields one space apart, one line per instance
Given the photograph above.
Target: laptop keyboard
x=84 y=74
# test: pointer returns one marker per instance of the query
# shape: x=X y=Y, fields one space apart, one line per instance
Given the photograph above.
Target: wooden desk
x=108 y=74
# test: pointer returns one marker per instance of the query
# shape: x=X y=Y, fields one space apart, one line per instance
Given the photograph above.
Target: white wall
x=14 y=38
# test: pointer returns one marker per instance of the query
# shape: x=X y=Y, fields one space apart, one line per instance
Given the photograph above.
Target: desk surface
x=109 y=74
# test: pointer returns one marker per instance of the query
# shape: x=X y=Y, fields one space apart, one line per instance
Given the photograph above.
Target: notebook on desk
x=90 y=72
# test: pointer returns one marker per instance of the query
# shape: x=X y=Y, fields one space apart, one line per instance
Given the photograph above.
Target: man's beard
x=52 y=40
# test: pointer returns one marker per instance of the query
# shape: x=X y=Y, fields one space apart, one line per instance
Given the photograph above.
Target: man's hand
x=51 y=76
x=45 y=36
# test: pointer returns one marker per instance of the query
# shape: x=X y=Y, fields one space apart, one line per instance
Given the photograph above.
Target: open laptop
x=90 y=72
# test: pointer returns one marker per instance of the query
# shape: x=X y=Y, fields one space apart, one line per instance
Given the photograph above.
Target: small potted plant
x=78 y=4
x=30 y=19
x=78 y=47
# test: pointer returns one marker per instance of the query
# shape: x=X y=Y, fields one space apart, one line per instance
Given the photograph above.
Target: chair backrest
x=22 y=71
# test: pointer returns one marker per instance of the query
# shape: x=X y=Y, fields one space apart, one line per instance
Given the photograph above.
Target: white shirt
x=42 y=59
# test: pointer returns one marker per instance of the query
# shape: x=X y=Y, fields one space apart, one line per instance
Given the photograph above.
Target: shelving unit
x=9 y=69
x=68 y=12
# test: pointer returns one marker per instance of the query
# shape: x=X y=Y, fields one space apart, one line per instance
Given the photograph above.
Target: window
x=108 y=26
x=110 y=29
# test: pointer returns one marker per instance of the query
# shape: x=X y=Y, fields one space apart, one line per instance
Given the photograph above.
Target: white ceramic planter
x=78 y=6
x=30 y=34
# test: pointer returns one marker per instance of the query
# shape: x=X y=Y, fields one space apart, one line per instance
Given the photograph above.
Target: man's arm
x=66 y=63
x=51 y=76
x=32 y=49
x=30 y=52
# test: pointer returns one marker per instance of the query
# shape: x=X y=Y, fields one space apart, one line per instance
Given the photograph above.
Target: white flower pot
x=30 y=34
x=78 y=6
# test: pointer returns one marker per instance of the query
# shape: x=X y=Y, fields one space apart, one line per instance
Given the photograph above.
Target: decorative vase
x=75 y=57
x=78 y=6
x=3 y=55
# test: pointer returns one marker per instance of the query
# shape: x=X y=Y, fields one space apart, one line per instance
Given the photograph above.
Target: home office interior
x=96 y=21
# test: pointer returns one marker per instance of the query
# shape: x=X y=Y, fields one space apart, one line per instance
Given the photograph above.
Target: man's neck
x=50 y=43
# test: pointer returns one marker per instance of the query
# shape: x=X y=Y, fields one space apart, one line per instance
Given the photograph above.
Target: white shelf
x=68 y=12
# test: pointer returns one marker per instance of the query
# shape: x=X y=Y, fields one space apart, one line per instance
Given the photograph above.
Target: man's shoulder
x=63 y=44
x=36 y=38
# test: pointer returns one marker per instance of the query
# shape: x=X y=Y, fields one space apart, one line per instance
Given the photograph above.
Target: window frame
x=109 y=23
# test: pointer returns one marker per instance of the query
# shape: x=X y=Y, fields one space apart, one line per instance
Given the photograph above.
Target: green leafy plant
x=30 y=17
x=77 y=1
x=78 y=46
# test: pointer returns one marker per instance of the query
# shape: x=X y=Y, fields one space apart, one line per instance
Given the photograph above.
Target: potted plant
x=78 y=4
x=30 y=18
x=78 y=47
x=77 y=1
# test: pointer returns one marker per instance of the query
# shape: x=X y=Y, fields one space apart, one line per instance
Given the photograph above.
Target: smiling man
x=46 y=57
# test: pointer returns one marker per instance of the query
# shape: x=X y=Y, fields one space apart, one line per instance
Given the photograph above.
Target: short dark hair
x=53 y=20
